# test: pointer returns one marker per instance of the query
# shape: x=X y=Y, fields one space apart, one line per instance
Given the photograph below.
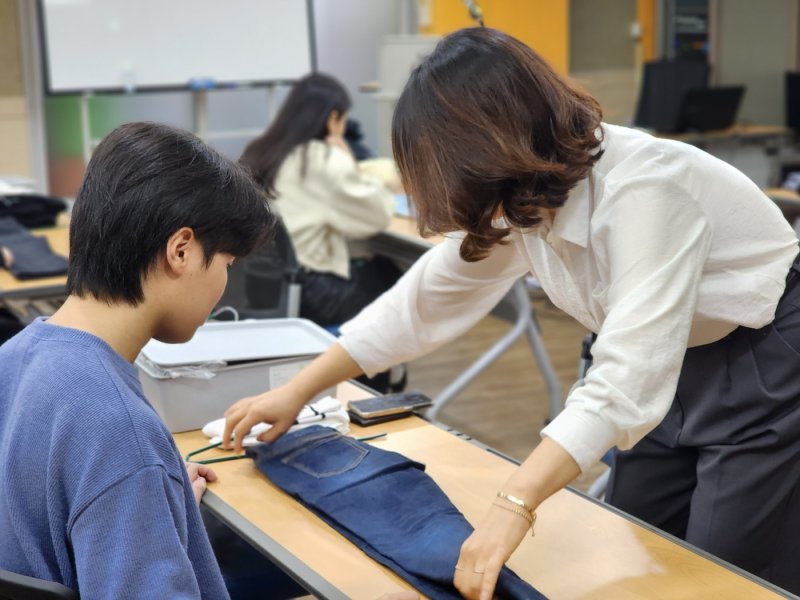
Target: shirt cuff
x=585 y=436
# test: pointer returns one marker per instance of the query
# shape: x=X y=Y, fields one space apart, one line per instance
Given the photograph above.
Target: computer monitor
x=710 y=109
x=664 y=83
x=793 y=100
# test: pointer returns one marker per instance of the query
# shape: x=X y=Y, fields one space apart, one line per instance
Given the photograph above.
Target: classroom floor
x=506 y=407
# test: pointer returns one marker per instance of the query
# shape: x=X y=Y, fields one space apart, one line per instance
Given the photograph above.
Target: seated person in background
x=324 y=200
x=95 y=495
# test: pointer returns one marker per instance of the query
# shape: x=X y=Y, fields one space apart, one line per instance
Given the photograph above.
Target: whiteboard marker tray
x=238 y=341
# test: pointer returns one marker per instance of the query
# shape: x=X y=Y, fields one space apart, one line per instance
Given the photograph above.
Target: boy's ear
x=179 y=246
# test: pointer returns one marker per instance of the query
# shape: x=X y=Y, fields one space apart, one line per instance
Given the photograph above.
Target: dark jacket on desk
x=33 y=256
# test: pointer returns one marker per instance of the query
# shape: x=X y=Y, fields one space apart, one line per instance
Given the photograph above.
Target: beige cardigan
x=332 y=204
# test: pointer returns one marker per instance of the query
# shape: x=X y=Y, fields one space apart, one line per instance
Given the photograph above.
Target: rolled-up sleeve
x=652 y=243
x=435 y=301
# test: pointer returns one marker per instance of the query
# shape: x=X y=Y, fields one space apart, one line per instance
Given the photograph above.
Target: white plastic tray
x=234 y=341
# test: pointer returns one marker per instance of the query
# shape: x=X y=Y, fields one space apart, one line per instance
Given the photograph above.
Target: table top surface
x=582 y=549
x=782 y=194
x=738 y=131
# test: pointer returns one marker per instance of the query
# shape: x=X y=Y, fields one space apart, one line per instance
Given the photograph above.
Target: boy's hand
x=400 y=596
x=199 y=475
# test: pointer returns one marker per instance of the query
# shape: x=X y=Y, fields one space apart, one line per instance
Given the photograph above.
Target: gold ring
x=478 y=572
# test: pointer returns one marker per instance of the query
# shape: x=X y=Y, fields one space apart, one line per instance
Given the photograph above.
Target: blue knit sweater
x=93 y=492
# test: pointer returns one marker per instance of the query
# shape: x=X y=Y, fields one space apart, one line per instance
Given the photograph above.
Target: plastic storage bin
x=193 y=383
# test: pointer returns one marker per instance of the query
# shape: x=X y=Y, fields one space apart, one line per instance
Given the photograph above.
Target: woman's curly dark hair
x=484 y=122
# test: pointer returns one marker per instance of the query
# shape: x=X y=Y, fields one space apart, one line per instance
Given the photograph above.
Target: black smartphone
x=391 y=404
x=364 y=422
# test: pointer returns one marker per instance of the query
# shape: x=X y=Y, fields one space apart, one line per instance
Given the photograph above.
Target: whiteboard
x=129 y=45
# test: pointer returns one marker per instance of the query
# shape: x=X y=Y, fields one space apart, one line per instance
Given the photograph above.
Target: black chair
x=265 y=285
x=268 y=285
x=14 y=586
x=664 y=84
x=792 y=100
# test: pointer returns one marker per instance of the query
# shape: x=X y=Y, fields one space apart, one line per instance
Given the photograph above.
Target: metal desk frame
x=401 y=243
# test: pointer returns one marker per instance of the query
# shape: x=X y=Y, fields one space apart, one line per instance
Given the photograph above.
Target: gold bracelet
x=530 y=518
x=515 y=500
x=520 y=503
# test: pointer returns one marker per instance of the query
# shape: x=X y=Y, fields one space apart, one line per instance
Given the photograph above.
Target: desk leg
x=525 y=323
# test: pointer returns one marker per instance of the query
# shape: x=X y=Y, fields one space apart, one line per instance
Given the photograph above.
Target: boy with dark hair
x=95 y=495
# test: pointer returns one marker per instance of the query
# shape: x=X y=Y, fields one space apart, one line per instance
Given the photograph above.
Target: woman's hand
x=485 y=552
x=548 y=469
x=199 y=475
x=278 y=407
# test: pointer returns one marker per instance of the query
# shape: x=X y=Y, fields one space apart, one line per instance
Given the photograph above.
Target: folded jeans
x=382 y=502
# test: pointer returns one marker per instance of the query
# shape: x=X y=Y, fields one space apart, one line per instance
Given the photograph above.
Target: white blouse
x=661 y=248
x=332 y=204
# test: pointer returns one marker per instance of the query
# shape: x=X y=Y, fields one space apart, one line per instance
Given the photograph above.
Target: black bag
x=33 y=256
x=32 y=210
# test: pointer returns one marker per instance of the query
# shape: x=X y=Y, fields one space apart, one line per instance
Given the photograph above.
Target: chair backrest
x=14 y=586
x=265 y=285
x=664 y=83
x=792 y=89
x=271 y=278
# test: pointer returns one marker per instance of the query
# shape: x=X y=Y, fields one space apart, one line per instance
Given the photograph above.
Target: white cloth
x=326 y=411
x=332 y=204
x=662 y=247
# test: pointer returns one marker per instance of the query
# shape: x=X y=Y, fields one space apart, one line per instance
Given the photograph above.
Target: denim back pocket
x=331 y=455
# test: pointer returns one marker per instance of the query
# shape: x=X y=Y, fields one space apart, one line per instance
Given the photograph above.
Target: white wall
x=756 y=45
x=349 y=33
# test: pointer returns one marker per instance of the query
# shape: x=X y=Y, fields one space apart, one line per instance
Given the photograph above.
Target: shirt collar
x=571 y=222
